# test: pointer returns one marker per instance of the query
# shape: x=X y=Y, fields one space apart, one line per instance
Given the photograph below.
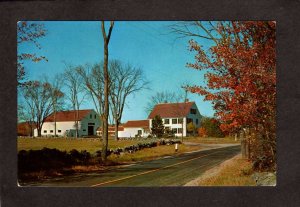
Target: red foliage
x=241 y=77
x=202 y=132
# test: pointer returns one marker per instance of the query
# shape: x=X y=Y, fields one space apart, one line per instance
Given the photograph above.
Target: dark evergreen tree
x=157 y=126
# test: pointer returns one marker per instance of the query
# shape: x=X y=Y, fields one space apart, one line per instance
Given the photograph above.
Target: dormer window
x=193 y=111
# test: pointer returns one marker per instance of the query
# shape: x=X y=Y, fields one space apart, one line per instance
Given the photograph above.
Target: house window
x=95 y=116
x=174 y=130
x=180 y=121
x=84 y=130
x=90 y=116
x=193 y=111
x=59 y=131
x=196 y=121
x=174 y=121
x=189 y=120
x=45 y=131
x=167 y=121
x=139 y=132
x=179 y=130
x=51 y=131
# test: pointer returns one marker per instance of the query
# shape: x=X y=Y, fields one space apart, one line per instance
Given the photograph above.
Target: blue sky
x=146 y=44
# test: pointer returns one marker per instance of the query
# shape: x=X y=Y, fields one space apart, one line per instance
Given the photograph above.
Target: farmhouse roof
x=137 y=124
x=171 y=110
x=24 y=128
x=68 y=115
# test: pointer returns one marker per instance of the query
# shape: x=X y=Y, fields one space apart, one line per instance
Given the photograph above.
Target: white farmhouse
x=135 y=128
x=176 y=116
x=88 y=122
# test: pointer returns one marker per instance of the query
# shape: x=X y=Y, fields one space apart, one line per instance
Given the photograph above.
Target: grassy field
x=89 y=144
x=94 y=144
x=152 y=153
x=235 y=172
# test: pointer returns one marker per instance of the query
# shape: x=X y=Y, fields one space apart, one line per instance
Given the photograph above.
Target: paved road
x=171 y=171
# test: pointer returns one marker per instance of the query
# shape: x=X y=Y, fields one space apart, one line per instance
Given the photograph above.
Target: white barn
x=88 y=122
x=130 y=129
x=135 y=128
x=176 y=116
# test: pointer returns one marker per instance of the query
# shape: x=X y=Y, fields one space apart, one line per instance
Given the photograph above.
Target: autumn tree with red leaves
x=241 y=81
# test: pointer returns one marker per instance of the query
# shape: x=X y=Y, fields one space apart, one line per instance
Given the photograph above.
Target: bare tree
x=124 y=81
x=206 y=30
x=56 y=96
x=106 y=38
x=163 y=97
x=27 y=115
x=37 y=97
x=75 y=92
x=93 y=80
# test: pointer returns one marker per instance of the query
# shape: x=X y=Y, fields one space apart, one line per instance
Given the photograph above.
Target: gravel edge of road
x=212 y=172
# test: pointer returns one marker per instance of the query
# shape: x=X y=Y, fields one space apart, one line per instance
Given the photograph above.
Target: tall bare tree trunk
x=106 y=108
x=106 y=80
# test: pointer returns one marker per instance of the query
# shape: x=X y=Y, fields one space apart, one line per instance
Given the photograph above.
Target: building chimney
x=186 y=100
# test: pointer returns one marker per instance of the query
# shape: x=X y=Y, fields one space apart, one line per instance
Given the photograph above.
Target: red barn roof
x=68 y=115
x=171 y=110
x=24 y=128
x=137 y=124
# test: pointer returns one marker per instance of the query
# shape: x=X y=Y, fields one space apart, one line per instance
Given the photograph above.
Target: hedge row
x=54 y=159
x=46 y=159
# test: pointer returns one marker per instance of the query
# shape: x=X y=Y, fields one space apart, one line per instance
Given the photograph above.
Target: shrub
x=202 y=132
x=50 y=159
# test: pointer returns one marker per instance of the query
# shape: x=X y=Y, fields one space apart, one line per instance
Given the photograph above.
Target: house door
x=90 y=130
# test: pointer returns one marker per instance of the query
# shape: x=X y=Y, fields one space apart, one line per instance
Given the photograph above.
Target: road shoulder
x=225 y=174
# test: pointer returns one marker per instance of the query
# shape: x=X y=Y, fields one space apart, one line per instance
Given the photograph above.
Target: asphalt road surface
x=170 y=171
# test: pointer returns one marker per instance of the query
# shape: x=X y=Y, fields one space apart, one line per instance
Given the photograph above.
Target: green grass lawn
x=89 y=144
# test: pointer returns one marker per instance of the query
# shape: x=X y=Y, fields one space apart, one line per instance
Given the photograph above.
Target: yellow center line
x=150 y=171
